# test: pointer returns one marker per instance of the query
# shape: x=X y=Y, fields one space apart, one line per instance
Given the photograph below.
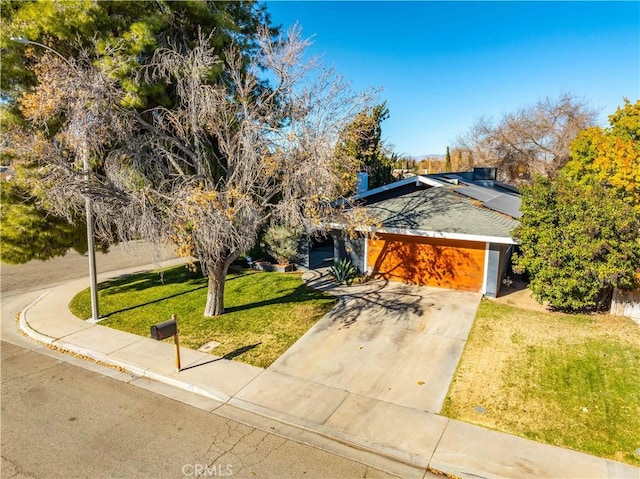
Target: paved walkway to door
x=388 y=341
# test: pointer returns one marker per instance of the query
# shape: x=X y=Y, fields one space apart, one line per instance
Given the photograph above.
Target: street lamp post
x=95 y=315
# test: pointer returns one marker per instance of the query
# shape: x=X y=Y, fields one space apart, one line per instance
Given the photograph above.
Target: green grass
x=568 y=380
x=265 y=312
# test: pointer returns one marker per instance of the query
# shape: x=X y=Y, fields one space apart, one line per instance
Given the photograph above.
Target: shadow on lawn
x=182 y=276
x=159 y=300
x=152 y=279
x=143 y=281
x=300 y=294
x=229 y=356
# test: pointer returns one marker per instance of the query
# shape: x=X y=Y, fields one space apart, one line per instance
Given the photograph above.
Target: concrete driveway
x=388 y=341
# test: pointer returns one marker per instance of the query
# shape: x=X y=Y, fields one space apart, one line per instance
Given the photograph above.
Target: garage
x=443 y=263
x=448 y=230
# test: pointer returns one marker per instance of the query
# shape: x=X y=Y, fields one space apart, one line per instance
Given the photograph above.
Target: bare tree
x=533 y=139
x=70 y=125
x=207 y=173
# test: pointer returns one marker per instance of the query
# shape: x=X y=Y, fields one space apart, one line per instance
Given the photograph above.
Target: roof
x=493 y=194
x=441 y=210
x=465 y=205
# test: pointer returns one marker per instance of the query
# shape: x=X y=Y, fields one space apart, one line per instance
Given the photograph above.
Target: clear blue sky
x=442 y=65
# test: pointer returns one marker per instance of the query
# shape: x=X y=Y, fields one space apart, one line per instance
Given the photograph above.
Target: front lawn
x=265 y=312
x=568 y=380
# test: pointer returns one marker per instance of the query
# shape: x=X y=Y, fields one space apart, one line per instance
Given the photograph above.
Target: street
x=60 y=420
x=66 y=417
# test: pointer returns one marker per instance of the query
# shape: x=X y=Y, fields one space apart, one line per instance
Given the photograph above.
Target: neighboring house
x=451 y=230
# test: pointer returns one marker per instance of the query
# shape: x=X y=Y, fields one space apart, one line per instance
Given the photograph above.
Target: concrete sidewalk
x=392 y=437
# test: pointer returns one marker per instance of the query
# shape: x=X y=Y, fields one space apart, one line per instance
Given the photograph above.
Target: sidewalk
x=398 y=439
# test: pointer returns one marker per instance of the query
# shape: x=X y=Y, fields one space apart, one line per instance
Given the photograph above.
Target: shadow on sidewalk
x=230 y=356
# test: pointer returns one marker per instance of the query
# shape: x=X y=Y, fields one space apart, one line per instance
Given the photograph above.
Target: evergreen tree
x=360 y=147
x=447 y=161
x=578 y=242
x=122 y=36
x=29 y=232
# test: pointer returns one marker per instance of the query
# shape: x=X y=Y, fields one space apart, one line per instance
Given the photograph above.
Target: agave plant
x=343 y=271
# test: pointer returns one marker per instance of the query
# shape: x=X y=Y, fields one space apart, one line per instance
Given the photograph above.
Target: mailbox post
x=166 y=329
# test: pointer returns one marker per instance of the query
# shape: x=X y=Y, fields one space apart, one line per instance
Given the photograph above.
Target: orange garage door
x=429 y=261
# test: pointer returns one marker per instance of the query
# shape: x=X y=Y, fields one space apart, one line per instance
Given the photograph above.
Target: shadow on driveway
x=389 y=341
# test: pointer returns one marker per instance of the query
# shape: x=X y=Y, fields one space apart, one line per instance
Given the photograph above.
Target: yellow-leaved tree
x=610 y=156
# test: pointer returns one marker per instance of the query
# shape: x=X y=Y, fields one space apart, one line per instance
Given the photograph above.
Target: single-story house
x=450 y=230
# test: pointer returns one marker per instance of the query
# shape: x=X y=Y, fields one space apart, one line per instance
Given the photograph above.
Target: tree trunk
x=217 y=274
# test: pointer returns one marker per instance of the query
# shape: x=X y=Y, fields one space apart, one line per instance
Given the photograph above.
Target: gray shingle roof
x=441 y=209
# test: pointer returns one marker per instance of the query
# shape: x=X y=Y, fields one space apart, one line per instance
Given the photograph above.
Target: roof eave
x=433 y=234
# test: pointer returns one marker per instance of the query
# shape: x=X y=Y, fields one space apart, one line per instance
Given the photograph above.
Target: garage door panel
x=428 y=261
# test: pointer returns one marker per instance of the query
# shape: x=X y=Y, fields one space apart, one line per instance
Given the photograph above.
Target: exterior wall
x=302 y=259
x=438 y=262
x=353 y=249
x=498 y=260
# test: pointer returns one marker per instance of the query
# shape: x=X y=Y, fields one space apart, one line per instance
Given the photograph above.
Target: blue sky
x=442 y=65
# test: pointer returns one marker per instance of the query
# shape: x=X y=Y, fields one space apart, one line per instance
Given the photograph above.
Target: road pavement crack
x=17 y=470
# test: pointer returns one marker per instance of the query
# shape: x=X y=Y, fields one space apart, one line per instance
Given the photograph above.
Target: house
x=450 y=230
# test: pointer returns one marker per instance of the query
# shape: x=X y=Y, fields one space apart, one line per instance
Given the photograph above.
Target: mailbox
x=164 y=330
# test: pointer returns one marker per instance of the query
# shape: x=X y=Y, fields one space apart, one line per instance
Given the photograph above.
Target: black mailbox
x=164 y=330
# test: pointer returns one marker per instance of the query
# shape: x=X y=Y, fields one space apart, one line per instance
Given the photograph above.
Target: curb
x=468 y=462
x=322 y=433
x=64 y=346
x=26 y=329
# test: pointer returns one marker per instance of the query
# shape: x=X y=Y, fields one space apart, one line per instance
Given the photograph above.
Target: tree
x=447 y=161
x=282 y=242
x=577 y=243
x=580 y=232
x=532 y=140
x=123 y=35
x=610 y=156
x=29 y=231
x=361 y=147
x=208 y=171
x=116 y=37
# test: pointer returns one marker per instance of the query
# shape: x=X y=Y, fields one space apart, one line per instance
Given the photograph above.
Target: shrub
x=282 y=242
x=344 y=272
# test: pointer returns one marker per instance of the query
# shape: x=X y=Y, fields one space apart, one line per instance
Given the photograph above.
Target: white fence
x=626 y=303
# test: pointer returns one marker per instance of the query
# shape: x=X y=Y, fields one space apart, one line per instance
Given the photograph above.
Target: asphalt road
x=69 y=418
x=39 y=274
x=61 y=420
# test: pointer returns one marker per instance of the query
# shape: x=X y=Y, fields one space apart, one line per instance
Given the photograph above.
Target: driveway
x=388 y=341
